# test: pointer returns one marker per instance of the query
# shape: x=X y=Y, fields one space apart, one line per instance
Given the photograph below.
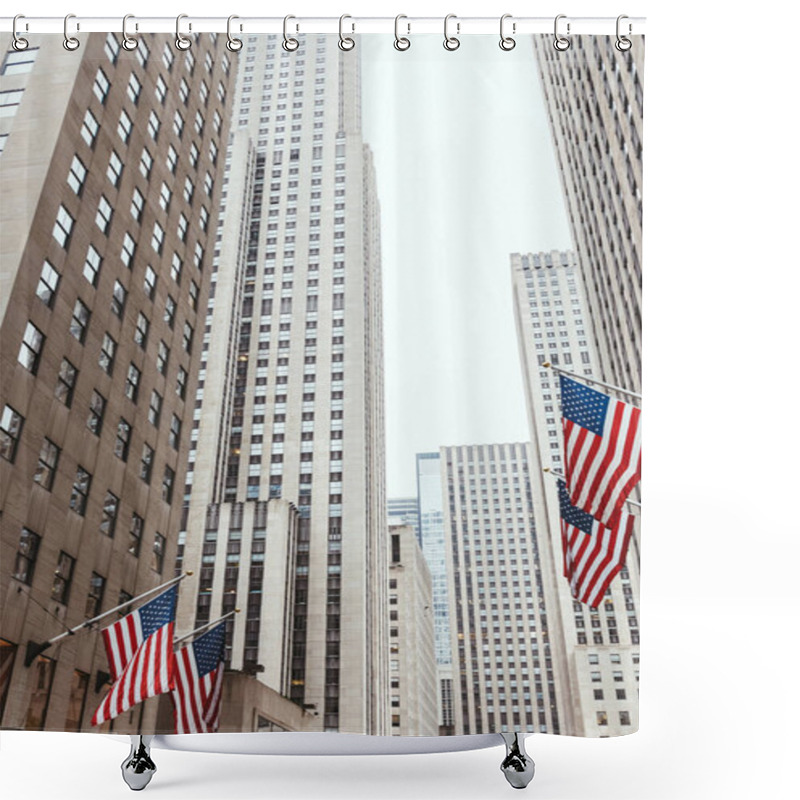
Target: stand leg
x=138 y=768
x=517 y=766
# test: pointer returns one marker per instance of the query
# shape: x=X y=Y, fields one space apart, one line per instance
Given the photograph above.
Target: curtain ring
x=507 y=42
x=560 y=43
x=623 y=43
x=128 y=42
x=401 y=42
x=181 y=42
x=451 y=42
x=290 y=44
x=233 y=44
x=346 y=43
x=71 y=43
x=18 y=43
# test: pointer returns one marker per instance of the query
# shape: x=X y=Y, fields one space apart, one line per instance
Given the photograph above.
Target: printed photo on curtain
x=320 y=384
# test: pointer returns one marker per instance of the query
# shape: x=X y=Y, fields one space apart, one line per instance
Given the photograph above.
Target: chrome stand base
x=138 y=768
x=517 y=766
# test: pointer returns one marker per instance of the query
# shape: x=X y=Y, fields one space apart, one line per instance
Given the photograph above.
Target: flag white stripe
x=619 y=453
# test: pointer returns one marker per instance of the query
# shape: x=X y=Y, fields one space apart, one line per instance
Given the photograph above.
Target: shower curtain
x=320 y=376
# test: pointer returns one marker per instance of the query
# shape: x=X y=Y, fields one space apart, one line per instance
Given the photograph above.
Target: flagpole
x=35 y=648
x=592 y=380
x=564 y=478
x=207 y=625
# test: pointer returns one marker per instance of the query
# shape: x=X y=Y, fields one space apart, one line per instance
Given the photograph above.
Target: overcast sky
x=466 y=176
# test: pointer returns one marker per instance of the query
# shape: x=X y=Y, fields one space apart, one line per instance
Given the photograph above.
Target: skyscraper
x=285 y=499
x=111 y=183
x=501 y=618
x=601 y=646
x=603 y=140
x=404 y=511
x=412 y=662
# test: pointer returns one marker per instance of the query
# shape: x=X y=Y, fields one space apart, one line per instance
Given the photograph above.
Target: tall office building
x=412 y=660
x=432 y=539
x=404 y=511
x=285 y=499
x=601 y=646
x=111 y=182
x=599 y=150
x=504 y=629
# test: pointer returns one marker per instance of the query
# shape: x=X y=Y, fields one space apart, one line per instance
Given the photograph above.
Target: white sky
x=466 y=175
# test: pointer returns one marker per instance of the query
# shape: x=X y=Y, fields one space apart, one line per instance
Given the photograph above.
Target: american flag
x=593 y=553
x=199 y=668
x=139 y=649
x=603 y=451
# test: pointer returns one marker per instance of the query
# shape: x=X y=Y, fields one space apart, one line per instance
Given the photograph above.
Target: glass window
x=135 y=534
x=142 y=327
x=124 y=127
x=19 y=61
x=134 y=88
x=188 y=333
x=76 y=176
x=91 y=266
x=80 y=321
x=150 y=280
x=169 y=311
x=104 y=214
x=101 y=86
x=624 y=717
x=30 y=349
x=109 y=520
x=602 y=718
x=137 y=205
x=161 y=90
x=159 y=543
x=154 y=411
x=167 y=484
x=145 y=163
x=180 y=383
x=177 y=124
x=94 y=599
x=194 y=291
x=132 y=382
x=65 y=385
x=62 y=581
x=146 y=464
x=112 y=48
x=114 y=171
x=48 y=283
x=175 y=432
x=97 y=408
x=63 y=226
x=128 y=250
x=10 y=430
x=46 y=468
x=89 y=128
x=80 y=491
x=176 y=268
x=153 y=125
x=118 y=297
x=123 y=439
x=27 y=552
x=157 y=242
x=183 y=227
x=107 y=352
x=162 y=357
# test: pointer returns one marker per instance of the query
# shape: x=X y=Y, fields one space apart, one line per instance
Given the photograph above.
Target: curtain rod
x=461 y=26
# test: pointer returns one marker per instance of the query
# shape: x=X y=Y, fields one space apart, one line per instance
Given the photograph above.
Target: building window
x=162 y=358
x=91 y=266
x=624 y=717
x=167 y=485
x=77 y=175
x=621 y=694
x=602 y=718
x=132 y=382
x=180 y=383
x=175 y=432
x=114 y=171
x=80 y=491
x=65 y=385
x=123 y=439
x=598 y=694
x=63 y=226
x=63 y=578
x=134 y=88
x=43 y=669
x=128 y=250
x=89 y=128
x=157 y=241
x=135 y=534
x=124 y=127
x=188 y=333
x=80 y=321
x=154 y=411
x=165 y=198
x=48 y=283
x=153 y=125
x=9 y=102
x=110 y=509
x=145 y=163
x=150 y=280
x=104 y=214
x=97 y=407
x=26 y=555
x=18 y=61
x=142 y=327
x=172 y=159
x=46 y=468
x=118 y=298
x=31 y=348
x=107 y=351
x=101 y=86
x=146 y=464
x=10 y=430
x=183 y=227
x=169 y=310
x=137 y=205
x=94 y=599
x=176 y=268
x=159 y=543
